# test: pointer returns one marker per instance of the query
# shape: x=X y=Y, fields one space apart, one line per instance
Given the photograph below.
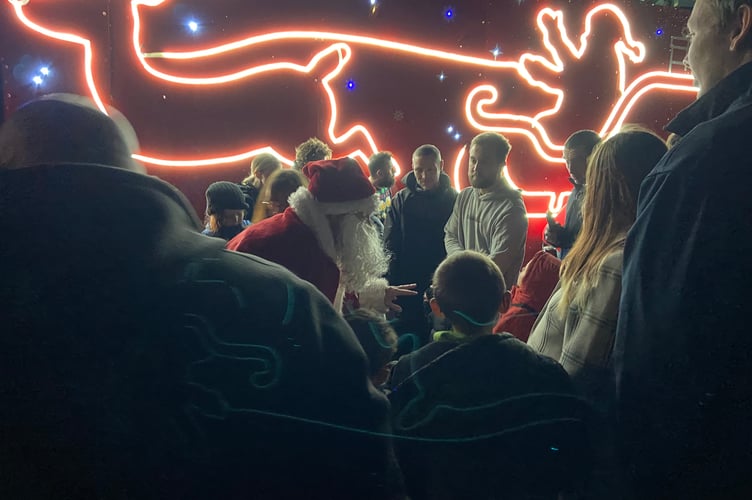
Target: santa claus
x=327 y=238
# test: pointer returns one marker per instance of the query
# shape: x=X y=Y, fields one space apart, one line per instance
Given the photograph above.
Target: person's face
x=277 y=202
x=229 y=218
x=483 y=169
x=427 y=171
x=385 y=176
x=709 y=54
x=337 y=222
x=576 y=160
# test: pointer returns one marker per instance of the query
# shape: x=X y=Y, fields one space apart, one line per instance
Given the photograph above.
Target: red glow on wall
x=203 y=105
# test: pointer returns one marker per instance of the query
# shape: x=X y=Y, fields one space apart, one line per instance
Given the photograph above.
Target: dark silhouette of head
x=66 y=128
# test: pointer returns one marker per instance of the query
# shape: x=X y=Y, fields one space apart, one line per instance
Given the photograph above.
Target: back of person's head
x=494 y=143
x=66 y=128
x=379 y=161
x=469 y=289
x=616 y=169
x=314 y=149
x=262 y=166
x=275 y=192
x=378 y=339
x=583 y=140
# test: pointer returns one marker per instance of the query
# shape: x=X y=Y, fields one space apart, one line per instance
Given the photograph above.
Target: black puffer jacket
x=414 y=230
x=251 y=194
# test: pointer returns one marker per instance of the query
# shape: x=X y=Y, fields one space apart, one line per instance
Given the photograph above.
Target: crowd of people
x=329 y=338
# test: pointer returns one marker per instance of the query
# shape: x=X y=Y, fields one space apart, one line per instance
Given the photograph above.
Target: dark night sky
x=397 y=95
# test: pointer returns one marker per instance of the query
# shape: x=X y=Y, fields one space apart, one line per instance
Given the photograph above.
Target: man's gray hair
x=725 y=10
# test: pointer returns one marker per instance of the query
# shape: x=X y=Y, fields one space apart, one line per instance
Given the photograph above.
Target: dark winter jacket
x=573 y=219
x=414 y=230
x=490 y=412
x=250 y=193
x=139 y=359
x=683 y=348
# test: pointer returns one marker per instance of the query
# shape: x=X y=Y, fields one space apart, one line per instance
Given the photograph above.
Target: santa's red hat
x=340 y=186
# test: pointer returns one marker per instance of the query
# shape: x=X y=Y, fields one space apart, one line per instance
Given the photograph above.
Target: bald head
x=64 y=128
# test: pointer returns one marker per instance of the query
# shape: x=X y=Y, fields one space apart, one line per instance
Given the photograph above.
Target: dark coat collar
x=716 y=102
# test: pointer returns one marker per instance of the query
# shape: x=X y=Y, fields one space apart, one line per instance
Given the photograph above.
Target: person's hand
x=393 y=292
x=552 y=234
x=553 y=230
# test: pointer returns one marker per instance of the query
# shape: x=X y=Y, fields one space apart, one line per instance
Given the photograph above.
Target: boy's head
x=469 y=290
x=378 y=339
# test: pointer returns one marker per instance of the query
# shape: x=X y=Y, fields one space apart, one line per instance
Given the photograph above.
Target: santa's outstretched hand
x=393 y=292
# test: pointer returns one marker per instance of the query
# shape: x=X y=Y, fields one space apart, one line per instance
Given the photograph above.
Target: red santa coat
x=285 y=239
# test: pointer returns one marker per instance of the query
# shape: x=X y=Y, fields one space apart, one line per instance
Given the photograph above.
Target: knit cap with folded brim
x=224 y=195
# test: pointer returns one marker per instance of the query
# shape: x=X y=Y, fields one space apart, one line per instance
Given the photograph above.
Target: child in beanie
x=225 y=210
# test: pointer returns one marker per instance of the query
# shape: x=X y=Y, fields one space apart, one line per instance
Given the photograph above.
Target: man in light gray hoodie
x=489 y=217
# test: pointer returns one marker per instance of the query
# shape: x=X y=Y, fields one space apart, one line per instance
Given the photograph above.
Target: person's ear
x=505 y=302
x=742 y=27
x=441 y=166
x=436 y=309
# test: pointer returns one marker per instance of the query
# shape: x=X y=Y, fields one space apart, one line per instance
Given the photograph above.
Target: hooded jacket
x=414 y=230
x=489 y=417
x=573 y=218
x=139 y=359
x=540 y=279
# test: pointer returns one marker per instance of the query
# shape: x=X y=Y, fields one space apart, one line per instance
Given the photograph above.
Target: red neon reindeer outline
x=482 y=96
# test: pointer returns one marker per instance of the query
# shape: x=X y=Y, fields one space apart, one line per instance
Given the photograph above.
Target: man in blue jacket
x=683 y=350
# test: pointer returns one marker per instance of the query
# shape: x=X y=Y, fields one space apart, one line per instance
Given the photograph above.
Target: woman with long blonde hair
x=262 y=167
x=578 y=323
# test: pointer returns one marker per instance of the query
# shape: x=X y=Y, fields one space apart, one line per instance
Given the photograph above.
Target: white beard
x=360 y=253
